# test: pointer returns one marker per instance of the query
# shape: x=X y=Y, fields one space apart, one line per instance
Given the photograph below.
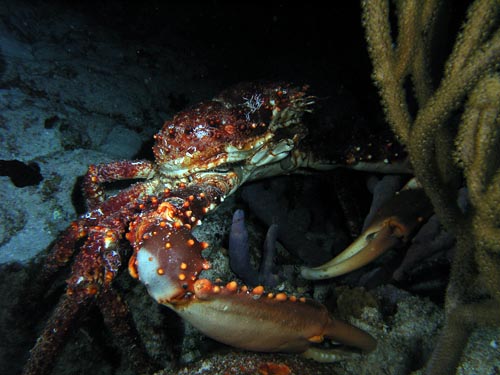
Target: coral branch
x=430 y=139
x=239 y=252
x=266 y=276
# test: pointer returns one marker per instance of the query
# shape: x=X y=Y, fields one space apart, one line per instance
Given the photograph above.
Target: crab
x=203 y=155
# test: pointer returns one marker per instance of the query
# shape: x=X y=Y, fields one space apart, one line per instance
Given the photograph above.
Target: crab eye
x=223 y=168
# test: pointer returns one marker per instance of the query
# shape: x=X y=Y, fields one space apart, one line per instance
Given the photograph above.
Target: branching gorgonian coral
x=449 y=151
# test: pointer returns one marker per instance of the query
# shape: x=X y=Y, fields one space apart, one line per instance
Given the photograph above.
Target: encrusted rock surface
x=74 y=91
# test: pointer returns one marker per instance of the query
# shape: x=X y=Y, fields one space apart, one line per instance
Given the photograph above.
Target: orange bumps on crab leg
x=169 y=262
x=255 y=322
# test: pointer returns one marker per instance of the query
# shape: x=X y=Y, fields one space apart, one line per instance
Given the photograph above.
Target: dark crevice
x=51 y=122
x=410 y=98
x=77 y=197
x=21 y=174
x=146 y=151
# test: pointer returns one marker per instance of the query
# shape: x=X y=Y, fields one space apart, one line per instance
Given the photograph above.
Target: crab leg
x=62 y=252
x=391 y=227
x=118 y=170
x=119 y=320
x=80 y=295
x=44 y=353
x=92 y=273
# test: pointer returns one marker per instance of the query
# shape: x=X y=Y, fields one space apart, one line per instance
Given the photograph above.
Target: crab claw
x=169 y=262
x=393 y=226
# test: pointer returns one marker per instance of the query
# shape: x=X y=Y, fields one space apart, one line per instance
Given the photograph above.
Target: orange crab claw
x=267 y=322
x=235 y=315
x=394 y=224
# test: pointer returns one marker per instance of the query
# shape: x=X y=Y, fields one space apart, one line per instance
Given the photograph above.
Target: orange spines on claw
x=258 y=290
x=281 y=297
x=202 y=288
x=232 y=286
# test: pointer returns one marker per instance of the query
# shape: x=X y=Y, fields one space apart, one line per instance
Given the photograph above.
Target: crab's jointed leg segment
x=63 y=250
x=92 y=273
x=115 y=171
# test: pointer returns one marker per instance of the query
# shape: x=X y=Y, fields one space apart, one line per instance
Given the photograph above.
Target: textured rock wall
x=76 y=87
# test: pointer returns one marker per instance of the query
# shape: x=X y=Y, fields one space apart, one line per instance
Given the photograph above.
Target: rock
x=72 y=94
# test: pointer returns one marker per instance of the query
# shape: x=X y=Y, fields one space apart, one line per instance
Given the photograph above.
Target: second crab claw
x=393 y=226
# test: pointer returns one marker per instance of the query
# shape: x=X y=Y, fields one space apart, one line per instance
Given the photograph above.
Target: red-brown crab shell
x=246 y=123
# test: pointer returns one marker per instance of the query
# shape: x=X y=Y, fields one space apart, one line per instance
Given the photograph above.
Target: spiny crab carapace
x=202 y=156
